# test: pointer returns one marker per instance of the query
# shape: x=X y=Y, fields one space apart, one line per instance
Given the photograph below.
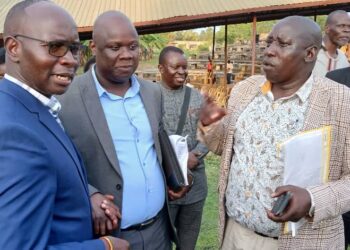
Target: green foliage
x=234 y=32
x=321 y=20
x=154 y=41
x=203 y=48
x=208 y=236
x=206 y=35
x=151 y=43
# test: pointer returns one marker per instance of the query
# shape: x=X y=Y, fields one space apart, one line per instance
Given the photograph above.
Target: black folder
x=174 y=177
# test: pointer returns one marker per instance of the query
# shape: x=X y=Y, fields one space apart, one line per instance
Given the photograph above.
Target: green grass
x=208 y=236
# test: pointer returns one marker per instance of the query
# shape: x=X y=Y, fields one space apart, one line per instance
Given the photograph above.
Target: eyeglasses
x=57 y=48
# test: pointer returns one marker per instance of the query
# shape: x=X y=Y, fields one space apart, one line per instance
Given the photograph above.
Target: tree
x=148 y=44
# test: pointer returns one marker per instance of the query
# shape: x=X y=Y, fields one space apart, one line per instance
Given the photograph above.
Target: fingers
x=197 y=153
x=105 y=213
x=96 y=224
x=177 y=195
x=288 y=215
x=109 y=197
x=109 y=225
x=280 y=190
x=102 y=228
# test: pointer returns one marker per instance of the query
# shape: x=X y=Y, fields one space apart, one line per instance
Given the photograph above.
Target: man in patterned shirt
x=264 y=111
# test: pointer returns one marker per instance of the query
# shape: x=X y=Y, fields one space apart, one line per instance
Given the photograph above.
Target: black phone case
x=281 y=203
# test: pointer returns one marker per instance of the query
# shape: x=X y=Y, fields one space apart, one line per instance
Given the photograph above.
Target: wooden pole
x=213 y=50
x=254 y=45
x=225 y=65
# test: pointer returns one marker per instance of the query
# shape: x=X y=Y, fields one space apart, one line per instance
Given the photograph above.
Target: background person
x=89 y=63
x=186 y=212
x=229 y=68
x=337 y=34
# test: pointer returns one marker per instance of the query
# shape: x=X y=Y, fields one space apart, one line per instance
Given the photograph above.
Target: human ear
x=161 y=68
x=13 y=48
x=93 y=48
x=311 y=53
x=326 y=29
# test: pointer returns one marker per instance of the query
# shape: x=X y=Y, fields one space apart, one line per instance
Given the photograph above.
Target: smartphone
x=281 y=203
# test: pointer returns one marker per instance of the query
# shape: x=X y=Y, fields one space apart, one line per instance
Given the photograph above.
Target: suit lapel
x=149 y=103
x=50 y=123
x=44 y=116
x=316 y=111
x=245 y=98
x=98 y=120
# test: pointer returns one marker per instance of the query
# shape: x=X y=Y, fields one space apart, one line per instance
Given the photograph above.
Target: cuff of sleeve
x=312 y=207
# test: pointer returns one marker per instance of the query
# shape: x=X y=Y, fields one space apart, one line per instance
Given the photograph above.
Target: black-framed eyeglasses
x=57 y=48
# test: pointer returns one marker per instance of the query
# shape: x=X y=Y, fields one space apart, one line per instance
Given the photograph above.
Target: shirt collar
x=303 y=92
x=52 y=103
x=132 y=91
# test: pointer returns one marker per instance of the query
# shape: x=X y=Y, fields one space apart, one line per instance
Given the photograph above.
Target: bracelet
x=109 y=242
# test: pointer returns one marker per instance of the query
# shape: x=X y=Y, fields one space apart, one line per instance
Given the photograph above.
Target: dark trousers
x=154 y=237
x=187 y=219
x=229 y=78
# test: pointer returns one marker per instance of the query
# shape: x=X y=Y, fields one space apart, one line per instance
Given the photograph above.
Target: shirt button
x=275 y=105
x=118 y=186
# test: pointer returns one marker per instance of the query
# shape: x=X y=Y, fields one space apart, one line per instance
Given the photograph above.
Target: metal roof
x=154 y=16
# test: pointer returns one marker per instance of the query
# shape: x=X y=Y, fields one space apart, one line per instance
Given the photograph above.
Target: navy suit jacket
x=44 y=200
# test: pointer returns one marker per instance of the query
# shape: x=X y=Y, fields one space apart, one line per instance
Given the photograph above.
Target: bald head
x=334 y=15
x=24 y=16
x=291 y=51
x=110 y=22
x=115 y=43
x=304 y=30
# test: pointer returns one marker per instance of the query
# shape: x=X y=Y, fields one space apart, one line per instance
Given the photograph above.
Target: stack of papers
x=305 y=158
x=179 y=144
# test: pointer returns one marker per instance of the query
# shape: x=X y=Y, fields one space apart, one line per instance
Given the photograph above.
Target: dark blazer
x=44 y=201
x=340 y=75
x=83 y=118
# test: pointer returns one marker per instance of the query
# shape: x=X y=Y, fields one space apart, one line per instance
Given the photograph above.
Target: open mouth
x=65 y=78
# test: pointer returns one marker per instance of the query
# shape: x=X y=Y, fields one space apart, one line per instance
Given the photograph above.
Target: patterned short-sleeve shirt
x=255 y=169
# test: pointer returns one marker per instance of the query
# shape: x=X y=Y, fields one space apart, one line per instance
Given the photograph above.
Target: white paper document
x=179 y=144
x=305 y=158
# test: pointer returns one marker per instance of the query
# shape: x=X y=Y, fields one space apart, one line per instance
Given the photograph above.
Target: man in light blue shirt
x=136 y=153
x=113 y=117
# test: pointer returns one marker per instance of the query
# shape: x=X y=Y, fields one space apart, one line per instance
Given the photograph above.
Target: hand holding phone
x=281 y=203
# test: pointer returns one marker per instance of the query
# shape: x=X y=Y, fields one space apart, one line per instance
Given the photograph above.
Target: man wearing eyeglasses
x=44 y=196
x=113 y=117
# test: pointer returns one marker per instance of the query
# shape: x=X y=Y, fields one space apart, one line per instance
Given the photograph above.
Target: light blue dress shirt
x=143 y=191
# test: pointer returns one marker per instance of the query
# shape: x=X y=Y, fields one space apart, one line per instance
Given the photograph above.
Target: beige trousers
x=238 y=237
